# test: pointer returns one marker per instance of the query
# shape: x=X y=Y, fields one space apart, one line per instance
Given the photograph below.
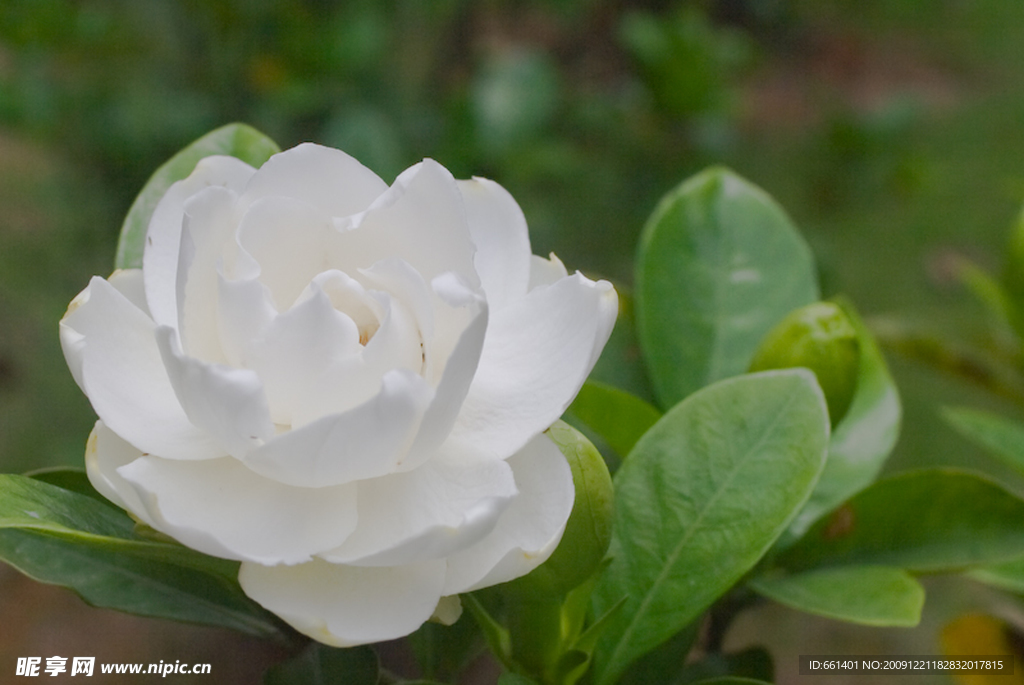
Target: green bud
x=821 y=338
x=535 y=611
x=589 y=530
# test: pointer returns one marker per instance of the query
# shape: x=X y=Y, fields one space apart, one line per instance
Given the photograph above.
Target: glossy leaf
x=28 y=504
x=865 y=437
x=114 y=580
x=619 y=417
x=322 y=665
x=235 y=140
x=869 y=595
x=65 y=538
x=929 y=520
x=666 y=663
x=575 y=660
x=1003 y=438
x=69 y=478
x=719 y=264
x=701 y=498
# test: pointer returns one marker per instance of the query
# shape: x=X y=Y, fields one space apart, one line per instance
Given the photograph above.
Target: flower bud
x=589 y=530
x=821 y=338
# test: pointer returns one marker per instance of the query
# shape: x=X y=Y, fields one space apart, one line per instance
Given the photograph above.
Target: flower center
x=366 y=332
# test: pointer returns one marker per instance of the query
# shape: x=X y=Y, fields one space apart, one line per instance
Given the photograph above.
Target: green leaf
x=572 y=665
x=1004 y=438
x=587 y=642
x=235 y=140
x=69 y=478
x=929 y=520
x=719 y=264
x=113 y=580
x=701 y=498
x=620 y=418
x=322 y=665
x=65 y=538
x=870 y=595
x=1008 y=575
x=28 y=504
x=863 y=440
x=666 y=663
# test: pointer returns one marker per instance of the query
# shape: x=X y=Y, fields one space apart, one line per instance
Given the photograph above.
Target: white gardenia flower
x=342 y=385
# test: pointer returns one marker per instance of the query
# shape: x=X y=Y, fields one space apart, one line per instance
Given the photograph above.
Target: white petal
x=160 y=259
x=110 y=346
x=421 y=219
x=326 y=178
x=439 y=508
x=452 y=329
x=297 y=347
x=546 y=271
x=288 y=239
x=528 y=531
x=397 y=278
x=220 y=507
x=366 y=442
x=538 y=351
x=345 y=606
x=245 y=311
x=451 y=392
x=129 y=282
x=226 y=402
x=104 y=454
x=499 y=232
x=207 y=232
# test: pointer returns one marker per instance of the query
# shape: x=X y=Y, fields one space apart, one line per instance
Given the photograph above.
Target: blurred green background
x=892 y=132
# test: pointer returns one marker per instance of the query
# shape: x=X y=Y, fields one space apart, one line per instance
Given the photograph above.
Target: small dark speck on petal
x=149 y=240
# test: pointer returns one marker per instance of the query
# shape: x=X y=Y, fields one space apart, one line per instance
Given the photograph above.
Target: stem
x=387 y=677
x=496 y=636
x=535 y=626
x=1000 y=377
